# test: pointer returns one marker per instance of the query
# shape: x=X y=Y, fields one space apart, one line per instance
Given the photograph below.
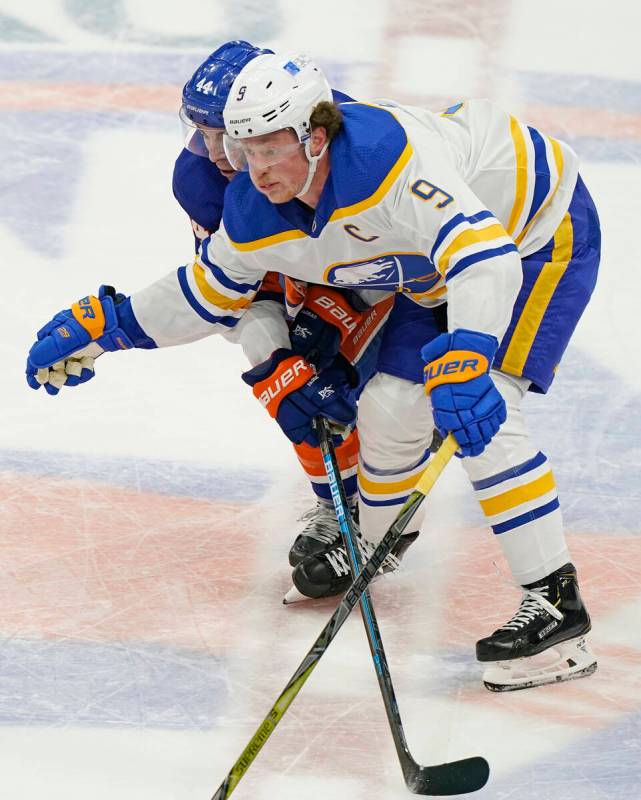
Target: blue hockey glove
x=294 y=394
x=68 y=345
x=465 y=400
x=323 y=323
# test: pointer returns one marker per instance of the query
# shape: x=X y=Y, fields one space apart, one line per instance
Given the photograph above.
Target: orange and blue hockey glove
x=293 y=393
x=465 y=401
x=324 y=322
x=67 y=346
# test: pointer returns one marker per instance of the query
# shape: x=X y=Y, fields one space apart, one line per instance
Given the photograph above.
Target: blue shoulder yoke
x=365 y=153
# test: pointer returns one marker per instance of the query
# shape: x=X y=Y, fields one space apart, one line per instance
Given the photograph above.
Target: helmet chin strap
x=313 y=163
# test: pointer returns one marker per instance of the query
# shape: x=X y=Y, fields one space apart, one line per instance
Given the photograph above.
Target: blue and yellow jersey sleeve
x=210 y=290
x=200 y=298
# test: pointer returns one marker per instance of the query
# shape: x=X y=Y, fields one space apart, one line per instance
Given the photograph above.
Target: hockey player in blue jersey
x=200 y=179
x=468 y=207
x=201 y=176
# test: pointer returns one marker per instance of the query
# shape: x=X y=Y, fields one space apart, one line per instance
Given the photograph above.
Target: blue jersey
x=199 y=187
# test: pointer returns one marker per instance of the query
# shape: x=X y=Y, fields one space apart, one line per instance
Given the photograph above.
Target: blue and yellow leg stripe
x=519 y=495
x=386 y=487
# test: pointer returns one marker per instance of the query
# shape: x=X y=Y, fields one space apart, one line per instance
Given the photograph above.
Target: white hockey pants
x=512 y=480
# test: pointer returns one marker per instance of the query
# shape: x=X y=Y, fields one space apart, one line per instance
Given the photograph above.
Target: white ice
x=145 y=517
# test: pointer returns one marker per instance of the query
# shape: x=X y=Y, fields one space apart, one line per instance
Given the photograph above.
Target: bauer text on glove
x=465 y=401
x=327 y=318
x=67 y=346
x=294 y=394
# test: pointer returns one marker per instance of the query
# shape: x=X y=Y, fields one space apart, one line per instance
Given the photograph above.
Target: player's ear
x=319 y=139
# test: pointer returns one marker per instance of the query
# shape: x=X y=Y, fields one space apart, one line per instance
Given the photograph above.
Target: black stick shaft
x=370 y=622
x=457 y=777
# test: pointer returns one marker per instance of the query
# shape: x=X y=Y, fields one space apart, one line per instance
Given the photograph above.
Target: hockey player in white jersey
x=468 y=207
x=200 y=179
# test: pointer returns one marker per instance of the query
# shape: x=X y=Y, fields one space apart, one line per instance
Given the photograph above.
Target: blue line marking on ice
x=583 y=91
x=130 y=684
x=589 y=427
x=594 y=148
x=130 y=68
x=587 y=768
x=179 y=478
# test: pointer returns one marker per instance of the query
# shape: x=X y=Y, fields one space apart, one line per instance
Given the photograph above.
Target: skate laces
x=321 y=524
x=532 y=604
x=339 y=561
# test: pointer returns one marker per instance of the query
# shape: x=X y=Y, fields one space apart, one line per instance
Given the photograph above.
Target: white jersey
x=439 y=206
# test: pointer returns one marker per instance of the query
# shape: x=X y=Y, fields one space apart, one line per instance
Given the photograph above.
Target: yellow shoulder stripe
x=520 y=155
x=214 y=297
x=268 y=241
x=558 y=160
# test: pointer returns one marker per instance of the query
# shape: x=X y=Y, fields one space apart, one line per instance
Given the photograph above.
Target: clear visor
x=244 y=154
x=192 y=135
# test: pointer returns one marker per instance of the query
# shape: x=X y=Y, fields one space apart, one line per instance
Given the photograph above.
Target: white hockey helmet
x=273 y=92
x=270 y=94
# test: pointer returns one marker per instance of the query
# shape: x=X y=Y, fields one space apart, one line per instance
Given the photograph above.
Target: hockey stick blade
x=452 y=778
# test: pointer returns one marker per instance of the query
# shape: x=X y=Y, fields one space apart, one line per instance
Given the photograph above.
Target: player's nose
x=258 y=173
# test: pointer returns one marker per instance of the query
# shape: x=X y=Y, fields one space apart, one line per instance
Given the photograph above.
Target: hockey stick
x=457 y=777
x=441 y=775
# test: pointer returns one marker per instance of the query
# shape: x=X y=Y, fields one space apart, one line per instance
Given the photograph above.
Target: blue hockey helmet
x=205 y=93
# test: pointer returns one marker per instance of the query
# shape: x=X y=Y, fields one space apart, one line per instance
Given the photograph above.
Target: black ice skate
x=551 y=620
x=328 y=573
x=320 y=532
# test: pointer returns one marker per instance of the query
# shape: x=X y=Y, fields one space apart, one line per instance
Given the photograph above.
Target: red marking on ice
x=593 y=122
x=609 y=569
x=44 y=96
x=100 y=563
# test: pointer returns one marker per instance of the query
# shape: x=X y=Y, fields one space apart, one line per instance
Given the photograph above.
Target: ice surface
x=145 y=518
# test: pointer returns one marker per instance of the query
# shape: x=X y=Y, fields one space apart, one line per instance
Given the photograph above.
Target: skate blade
x=294 y=596
x=572 y=659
